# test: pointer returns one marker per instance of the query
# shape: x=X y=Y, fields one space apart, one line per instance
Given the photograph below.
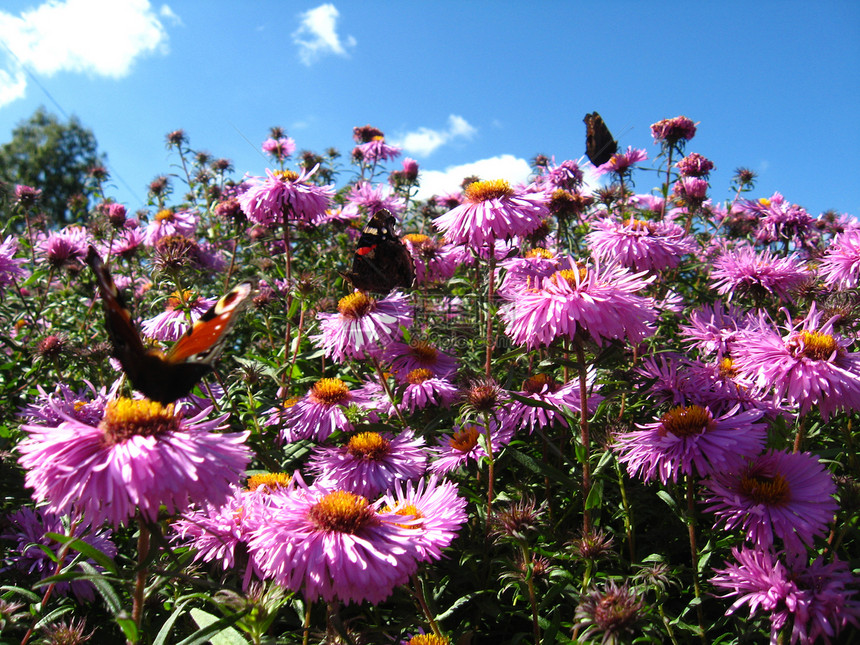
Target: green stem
x=585 y=434
x=694 y=553
x=425 y=608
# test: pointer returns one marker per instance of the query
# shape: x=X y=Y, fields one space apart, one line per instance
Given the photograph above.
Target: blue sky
x=464 y=87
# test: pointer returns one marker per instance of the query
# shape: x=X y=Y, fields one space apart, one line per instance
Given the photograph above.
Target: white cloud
x=425 y=141
x=100 y=37
x=437 y=182
x=317 y=34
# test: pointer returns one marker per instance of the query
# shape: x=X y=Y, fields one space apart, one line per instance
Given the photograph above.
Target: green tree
x=53 y=156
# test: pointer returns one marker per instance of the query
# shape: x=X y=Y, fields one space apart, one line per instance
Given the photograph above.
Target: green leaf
x=216 y=630
x=86 y=549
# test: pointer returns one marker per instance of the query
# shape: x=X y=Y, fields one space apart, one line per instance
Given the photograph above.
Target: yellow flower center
x=378 y=137
x=813 y=345
x=290 y=402
x=765 y=490
x=685 y=421
x=79 y=405
x=481 y=191
x=424 y=351
x=419 y=375
x=342 y=512
x=355 y=305
x=329 y=391
x=125 y=418
x=764 y=201
x=465 y=438
x=177 y=299
x=286 y=175
x=271 y=481
x=369 y=445
x=639 y=225
x=164 y=215
x=417 y=238
x=536 y=383
x=570 y=276
x=539 y=252
x=727 y=368
x=428 y=639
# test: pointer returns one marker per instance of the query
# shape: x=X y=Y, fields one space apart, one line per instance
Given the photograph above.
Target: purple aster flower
x=757 y=274
x=370 y=463
x=528 y=271
x=28 y=528
x=125 y=243
x=280 y=148
x=543 y=389
x=566 y=176
x=598 y=301
x=691 y=192
x=140 y=457
x=665 y=377
x=363 y=326
x=170 y=222
x=375 y=150
x=671 y=131
x=434 y=262
x=374 y=199
x=467 y=443
x=786 y=495
x=622 y=162
x=422 y=389
x=86 y=405
x=720 y=387
x=779 y=220
x=403 y=358
x=26 y=196
x=714 y=328
x=695 y=165
x=333 y=545
x=640 y=245
x=816 y=598
x=10 y=267
x=809 y=365
x=840 y=266
x=180 y=314
x=440 y=510
x=493 y=211
x=66 y=247
x=285 y=192
x=320 y=412
x=690 y=440
x=405 y=177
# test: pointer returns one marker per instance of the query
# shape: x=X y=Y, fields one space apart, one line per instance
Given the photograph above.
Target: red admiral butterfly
x=165 y=377
x=599 y=144
x=381 y=261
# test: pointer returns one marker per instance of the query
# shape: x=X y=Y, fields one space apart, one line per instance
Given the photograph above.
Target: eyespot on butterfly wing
x=166 y=377
x=599 y=144
x=381 y=262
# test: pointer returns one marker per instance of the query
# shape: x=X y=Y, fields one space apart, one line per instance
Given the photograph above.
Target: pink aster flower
x=125 y=243
x=280 y=148
x=695 y=165
x=10 y=266
x=640 y=245
x=375 y=150
x=170 y=222
x=690 y=440
x=598 y=301
x=809 y=365
x=434 y=262
x=840 y=266
x=566 y=176
x=374 y=199
x=671 y=131
x=544 y=390
x=422 y=389
x=140 y=457
x=714 y=328
x=319 y=413
x=333 y=544
x=370 y=463
x=440 y=510
x=363 y=326
x=284 y=193
x=28 y=529
x=816 y=599
x=528 y=271
x=66 y=247
x=26 y=196
x=779 y=220
x=180 y=314
x=467 y=443
x=418 y=354
x=777 y=494
x=621 y=162
x=50 y=409
x=493 y=211
x=757 y=274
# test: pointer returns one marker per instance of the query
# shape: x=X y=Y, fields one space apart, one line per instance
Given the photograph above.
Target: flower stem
x=491 y=468
x=666 y=183
x=425 y=608
x=490 y=296
x=530 y=583
x=585 y=435
x=384 y=382
x=142 y=573
x=694 y=553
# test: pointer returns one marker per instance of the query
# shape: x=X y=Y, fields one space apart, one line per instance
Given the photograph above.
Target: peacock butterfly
x=381 y=262
x=599 y=144
x=165 y=377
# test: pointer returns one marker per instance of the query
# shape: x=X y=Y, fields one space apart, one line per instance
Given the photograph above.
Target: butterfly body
x=599 y=144
x=381 y=262
x=165 y=377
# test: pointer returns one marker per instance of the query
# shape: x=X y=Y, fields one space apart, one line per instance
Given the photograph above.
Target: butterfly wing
x=599 y=144
x=381 y=261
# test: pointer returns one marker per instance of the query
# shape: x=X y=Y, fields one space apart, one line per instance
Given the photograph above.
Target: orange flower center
x=369 y=445
x=419 y=375
x=771 y=491
x=271 y=481
x=286 y=175
x=481 y=191
x=416 y=238
x=355 y=305
x=342 y=512
x=535 y=384
x=465 y=439
x=329 y=391
x=164 y=215
x=686 y=421
x=570 y=276
x=539 y=252
x=125 y=418
x=814 y=345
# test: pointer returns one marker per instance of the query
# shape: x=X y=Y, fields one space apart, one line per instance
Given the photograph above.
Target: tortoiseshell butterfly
x=165 y=377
